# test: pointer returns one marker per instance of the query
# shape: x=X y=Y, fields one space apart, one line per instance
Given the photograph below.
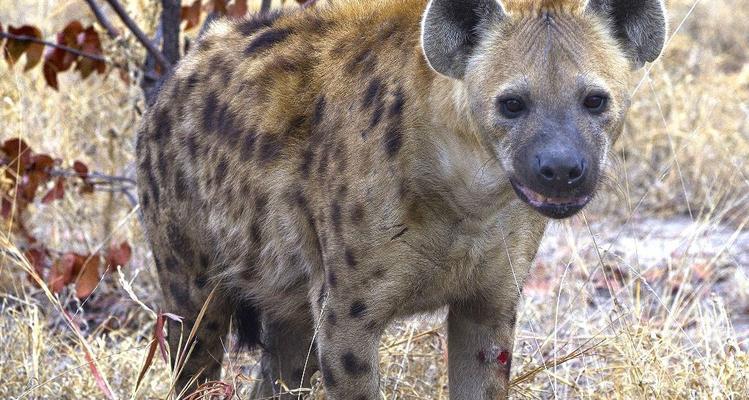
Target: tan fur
x=270 y=176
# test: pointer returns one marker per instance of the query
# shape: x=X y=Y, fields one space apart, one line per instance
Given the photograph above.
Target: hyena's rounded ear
x=639 y=25
x=451 y=29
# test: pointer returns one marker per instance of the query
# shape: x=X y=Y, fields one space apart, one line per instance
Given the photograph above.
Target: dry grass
x=645 y=296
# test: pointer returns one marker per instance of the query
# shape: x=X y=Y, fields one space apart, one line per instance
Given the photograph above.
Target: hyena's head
x=546 y=82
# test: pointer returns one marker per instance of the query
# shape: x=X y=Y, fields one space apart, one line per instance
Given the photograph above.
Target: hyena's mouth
x=552 y=207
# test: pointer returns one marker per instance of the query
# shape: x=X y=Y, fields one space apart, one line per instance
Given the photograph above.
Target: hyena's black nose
x=560 y=170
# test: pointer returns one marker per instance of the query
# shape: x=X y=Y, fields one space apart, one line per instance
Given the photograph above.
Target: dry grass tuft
x=645 y=296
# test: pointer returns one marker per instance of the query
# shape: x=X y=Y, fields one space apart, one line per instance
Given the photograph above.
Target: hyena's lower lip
x=552 y=207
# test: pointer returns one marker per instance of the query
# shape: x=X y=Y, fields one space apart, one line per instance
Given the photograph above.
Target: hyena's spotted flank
x=365 y=161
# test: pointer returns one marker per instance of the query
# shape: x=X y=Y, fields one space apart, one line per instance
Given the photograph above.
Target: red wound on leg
x=503 y=357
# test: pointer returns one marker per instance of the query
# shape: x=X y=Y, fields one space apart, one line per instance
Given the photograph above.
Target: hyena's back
x=272 y=137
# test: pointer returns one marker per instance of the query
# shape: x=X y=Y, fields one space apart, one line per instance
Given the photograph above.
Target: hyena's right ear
x=451 y=29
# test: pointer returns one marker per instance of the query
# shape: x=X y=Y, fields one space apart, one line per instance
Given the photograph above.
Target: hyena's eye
x=511 y=107
x=596 y=103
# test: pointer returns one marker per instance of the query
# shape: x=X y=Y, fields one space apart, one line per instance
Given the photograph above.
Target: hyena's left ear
x=639 y=25
x=451 y=29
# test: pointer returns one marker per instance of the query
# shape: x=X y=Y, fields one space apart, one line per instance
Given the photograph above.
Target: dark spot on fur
x=373 y=89
x=358 y=308
x=171 y=264
x=191 y=143
x=205 y=261
x=323 y=165
x=257 y=22
x=296 y=124
x=261 y=201
x=266 y=40
x=209 y=112
x=221 y=171
x=321 y=294
x=256 y=234
x=335 y=216
x=163 y=127
x=191 y=82
x=393 y=140
x=332 y=318
x=342 y=190
x=179 y=243
x=145 y=200
x=379 y=273
x=327 y=373
x=371 y=326
x=248 y=146
x=307 y=157
x=357 y=214
x=212 y=326
x=201 y=280
x=332 y=279
x=364 y=62
x=180 y=294
x=353 y=365
x=350 y=258
x=163 y=166
x=396 y=108
x=180 y=186
x=340 y=155
x=270 y=149
x=319 y=113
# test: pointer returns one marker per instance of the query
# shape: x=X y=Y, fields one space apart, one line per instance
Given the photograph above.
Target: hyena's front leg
x=480 y=341
x=347 y=346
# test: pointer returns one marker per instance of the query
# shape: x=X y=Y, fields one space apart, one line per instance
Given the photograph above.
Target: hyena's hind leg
x=286 y=358
x=186 y=289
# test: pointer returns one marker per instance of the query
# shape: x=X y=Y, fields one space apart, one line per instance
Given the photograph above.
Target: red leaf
x=57 y=60
x=61 y=273
x=88 y=275
x=219 y=6
x=18 y=152
x=42 y=162
x=238 y=9
x=50 y=75
x=38 y=259
x=81 y=169
x=119 y=254
x=56 y=193
x=14 y=49
x=191 y=14
x=88 y=42
x=159 y=341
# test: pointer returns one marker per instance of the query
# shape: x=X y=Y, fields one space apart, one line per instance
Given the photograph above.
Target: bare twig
x=170 y=20
x=25 y=38
x=142 y=38
x=310 y=3
x=103 y=20
x=265 y=6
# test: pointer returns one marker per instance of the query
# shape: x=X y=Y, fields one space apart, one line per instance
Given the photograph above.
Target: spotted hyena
x=342 y=166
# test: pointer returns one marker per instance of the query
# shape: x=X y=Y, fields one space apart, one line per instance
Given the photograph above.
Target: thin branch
x=142 y=38
x=102 y=178
x=103 y=20
x=170 y=20
x=25 y=38
x=265 y=6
